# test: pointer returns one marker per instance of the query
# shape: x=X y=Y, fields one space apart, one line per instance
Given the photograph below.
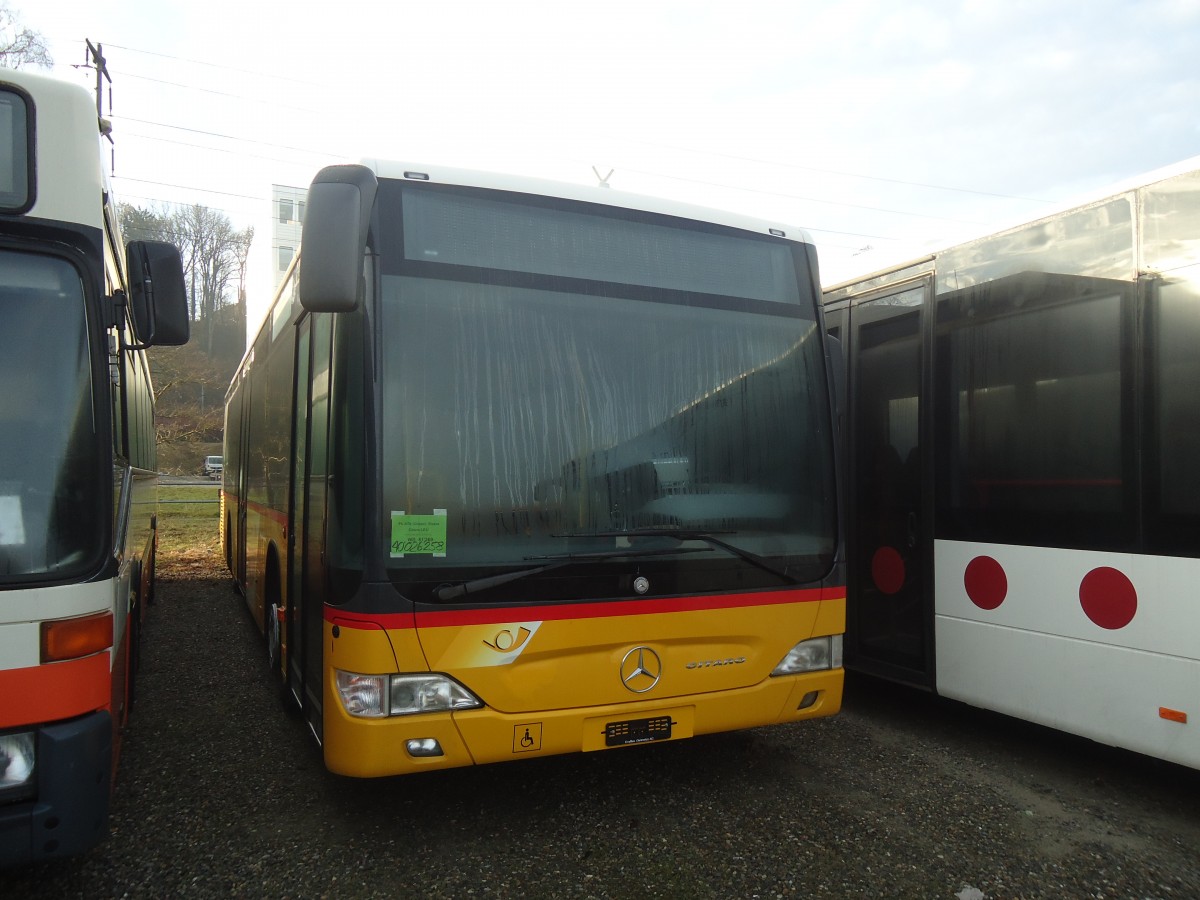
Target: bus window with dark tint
x=1174 y=409
x=834 y=322
x=555 y=374
x=1033 y=393
x=887 y=620
x=50 y=487
x=464 y=228
x=346 y=452
x=14 y=153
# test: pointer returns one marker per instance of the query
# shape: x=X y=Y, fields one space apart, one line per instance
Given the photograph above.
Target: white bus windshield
x=50 y=497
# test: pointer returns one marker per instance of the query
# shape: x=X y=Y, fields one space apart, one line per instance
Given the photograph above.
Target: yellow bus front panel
x=572 y=683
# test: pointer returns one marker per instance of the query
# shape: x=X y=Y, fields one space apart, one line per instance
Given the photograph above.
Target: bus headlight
x=362 y=695
x=365 y=696
x=429 y=693
x=813 y=655
x=18 y=759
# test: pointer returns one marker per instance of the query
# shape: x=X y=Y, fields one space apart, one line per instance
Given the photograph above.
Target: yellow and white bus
x=517 y=468
x=77 y=465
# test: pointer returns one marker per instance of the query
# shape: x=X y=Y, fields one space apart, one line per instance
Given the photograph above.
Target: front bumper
x=69 y=813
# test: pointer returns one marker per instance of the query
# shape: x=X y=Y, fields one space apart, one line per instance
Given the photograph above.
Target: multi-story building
x=287 y=215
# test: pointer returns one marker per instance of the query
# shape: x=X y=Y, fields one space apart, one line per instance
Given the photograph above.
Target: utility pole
x=95 y=58
x=95 y=54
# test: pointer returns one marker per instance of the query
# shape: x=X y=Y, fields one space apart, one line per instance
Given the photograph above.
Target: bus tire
x=147 y=587
x=274 y=645
x=133 y=649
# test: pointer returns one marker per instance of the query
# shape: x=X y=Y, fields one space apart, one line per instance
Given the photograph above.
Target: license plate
x=637 y=731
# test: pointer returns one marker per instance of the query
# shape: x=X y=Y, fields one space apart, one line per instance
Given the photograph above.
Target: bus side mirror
x=157 y=294
x=334 y=238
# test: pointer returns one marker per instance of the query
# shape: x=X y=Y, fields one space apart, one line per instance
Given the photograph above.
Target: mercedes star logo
x=640 y=669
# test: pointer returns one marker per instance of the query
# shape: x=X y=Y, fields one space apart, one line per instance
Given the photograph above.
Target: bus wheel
x=274 y=648
x=133 y=647
x=290 y=703
x=151 y=572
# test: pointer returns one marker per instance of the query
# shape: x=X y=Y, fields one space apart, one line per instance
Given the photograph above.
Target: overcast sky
x=885 y=125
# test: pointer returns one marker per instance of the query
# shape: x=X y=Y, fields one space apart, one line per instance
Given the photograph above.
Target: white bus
x=1024 y=496
x=77 y=465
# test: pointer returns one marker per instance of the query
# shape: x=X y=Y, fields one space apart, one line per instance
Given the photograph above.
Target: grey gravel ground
x=902 y=795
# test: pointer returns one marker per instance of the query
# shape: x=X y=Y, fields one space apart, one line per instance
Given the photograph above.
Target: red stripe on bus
x=267 y=512
x=493 y=615
x=55 y=691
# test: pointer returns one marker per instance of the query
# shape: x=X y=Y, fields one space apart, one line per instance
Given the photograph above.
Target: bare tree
x=20 y=46
x=214 y=254
x=140 y=224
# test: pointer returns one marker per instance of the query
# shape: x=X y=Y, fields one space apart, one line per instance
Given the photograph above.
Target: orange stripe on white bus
x=55 y=691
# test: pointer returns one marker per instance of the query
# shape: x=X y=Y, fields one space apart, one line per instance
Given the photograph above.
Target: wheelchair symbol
x=527 y=737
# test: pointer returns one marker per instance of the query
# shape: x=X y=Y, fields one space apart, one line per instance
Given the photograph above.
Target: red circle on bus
x=986 y=583
x=1108 y=598
x=887 y=570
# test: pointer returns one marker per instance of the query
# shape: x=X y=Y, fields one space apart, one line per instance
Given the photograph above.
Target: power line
x=650 y=173
x=231 y=137
x=240 y=153
x=775 y=193
x=213 y=65
x=190 y=187
x=274 y=104
x=741 y=158
x=820 y=171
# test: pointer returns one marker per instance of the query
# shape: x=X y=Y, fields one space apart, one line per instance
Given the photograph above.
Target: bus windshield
x=49 y=491
x=585 y=379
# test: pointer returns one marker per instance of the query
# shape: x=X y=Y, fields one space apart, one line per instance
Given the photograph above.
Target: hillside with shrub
x=190 y=381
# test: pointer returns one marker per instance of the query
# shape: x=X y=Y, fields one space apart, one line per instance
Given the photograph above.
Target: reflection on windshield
x=49 y=493
x=523 y=418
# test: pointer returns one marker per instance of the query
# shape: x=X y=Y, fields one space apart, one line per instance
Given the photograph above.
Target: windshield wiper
x=454 y=591
x=687 y=534
x=615 y=554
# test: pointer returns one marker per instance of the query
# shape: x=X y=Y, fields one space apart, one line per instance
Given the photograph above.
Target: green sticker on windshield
x=418 y=535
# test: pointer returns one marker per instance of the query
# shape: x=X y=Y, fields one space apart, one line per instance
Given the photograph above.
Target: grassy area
x=188 y=524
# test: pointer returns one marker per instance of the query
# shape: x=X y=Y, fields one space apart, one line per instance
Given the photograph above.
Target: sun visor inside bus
x=158 y=294
x=331 y=246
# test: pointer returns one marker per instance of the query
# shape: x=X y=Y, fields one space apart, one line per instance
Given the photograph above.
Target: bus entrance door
x=890 y=613
x=306 y=575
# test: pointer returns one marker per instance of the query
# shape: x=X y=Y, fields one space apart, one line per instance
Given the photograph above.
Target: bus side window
x=1174 y=413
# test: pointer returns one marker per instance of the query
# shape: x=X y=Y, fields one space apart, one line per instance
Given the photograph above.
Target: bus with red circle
x=1022 y=435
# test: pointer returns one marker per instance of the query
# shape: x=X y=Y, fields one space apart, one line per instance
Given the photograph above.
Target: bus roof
x=582 y=192
x=926 y=260
x=70 y=182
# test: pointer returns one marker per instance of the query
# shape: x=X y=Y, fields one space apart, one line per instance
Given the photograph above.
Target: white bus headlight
x=362 y=695
x=429 y=693
x=812 y=655
x=17 y=762
x=377 y=696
